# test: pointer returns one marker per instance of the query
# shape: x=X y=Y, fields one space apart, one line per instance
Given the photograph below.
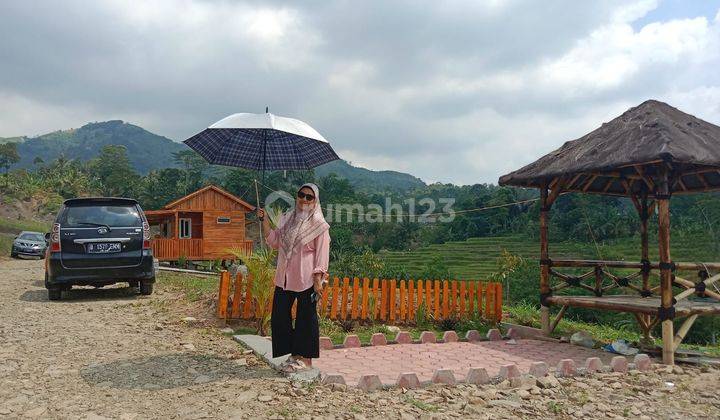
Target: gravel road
x=109 y=353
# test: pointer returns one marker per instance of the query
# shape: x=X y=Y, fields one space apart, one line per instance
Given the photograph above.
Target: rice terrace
x=360 y=210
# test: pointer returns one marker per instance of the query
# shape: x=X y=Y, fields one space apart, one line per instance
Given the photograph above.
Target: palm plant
x=261 y=274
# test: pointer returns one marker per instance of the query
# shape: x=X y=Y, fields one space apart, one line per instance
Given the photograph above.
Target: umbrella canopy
x=262 y=141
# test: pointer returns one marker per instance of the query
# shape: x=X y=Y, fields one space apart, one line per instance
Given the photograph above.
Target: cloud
x=455 y=91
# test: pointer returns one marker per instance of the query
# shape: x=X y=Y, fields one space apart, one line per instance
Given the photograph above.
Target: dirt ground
x=109 y=353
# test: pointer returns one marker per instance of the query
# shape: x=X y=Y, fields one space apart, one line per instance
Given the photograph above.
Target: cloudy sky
x=450 y=91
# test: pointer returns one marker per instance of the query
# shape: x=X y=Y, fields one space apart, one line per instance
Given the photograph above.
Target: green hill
x=476 y=258
x=146 y=150
x=366 y=180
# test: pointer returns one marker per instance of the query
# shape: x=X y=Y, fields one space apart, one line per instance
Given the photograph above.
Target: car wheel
x=133 y=283
x=146 y=288
x=54 y=294
x=13 y=255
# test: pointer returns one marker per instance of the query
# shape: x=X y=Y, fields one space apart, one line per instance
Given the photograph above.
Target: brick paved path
x=389 y=361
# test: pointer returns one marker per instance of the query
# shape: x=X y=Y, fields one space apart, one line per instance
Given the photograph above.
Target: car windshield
x=32 y=237
x=99 y=215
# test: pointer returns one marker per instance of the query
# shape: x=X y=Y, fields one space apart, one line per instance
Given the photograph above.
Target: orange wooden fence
x=387 y=300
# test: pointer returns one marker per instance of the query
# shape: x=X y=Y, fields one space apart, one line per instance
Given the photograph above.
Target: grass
x=476 y=258
x=194 y=287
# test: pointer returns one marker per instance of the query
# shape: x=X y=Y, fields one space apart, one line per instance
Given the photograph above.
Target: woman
x=303 y=240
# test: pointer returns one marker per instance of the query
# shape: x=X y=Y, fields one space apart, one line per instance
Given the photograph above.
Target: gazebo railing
x=600 y=272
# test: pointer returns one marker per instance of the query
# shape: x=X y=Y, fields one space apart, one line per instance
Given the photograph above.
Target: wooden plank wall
x=386 y=300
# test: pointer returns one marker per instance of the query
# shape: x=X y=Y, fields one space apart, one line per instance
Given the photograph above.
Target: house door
x=185 y=228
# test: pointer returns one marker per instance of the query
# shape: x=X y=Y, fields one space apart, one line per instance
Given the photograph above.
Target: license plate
x=103 y=247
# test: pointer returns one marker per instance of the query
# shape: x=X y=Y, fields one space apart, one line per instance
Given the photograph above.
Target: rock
x=566 y=368
x=443 y=376
x=369 y=383
x=619 y=364
x=525 y=395
x=477 y=376
x=408 y=381
x=351 y=341
x=189 y=319
x=583 y=339
x=505 y=403
x=241 y=362
x=593 y=364
x=326 y=343
x=450 y=337
x=227 y=330
x=472 y=335
x=378 y=339
x=427 y=337
x=332 y=378
x=494 y=335
x=393 y=329
x=403 y=337
x=265 y=398
x=548 y=382
x=509 y=372
x=642 y=362
x=202 y=379
x=189 y=346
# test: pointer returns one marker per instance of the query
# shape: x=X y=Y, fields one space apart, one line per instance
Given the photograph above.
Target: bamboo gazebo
x=647 y=154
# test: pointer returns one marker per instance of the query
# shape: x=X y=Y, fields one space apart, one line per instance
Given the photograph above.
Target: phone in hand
x=314 y=297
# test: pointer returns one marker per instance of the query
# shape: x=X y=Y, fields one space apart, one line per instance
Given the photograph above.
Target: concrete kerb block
x=494 y=335
x=408 y=381
x=444 y=376
x=428 y=337
x=326 y=343
x=538 y=369
x=566 y=367
x=642 y=362
x=619 y=364
x=403 y=337
x=477 y=376
x=332 y=378
x=593 y=364
x=450 y=337
x=472 y=335
x=369 y=383
x=513 y=333
x=378 y=339
x=351 y=341
x=509 y=372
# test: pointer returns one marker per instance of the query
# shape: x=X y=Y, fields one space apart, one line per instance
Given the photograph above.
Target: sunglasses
x=307 y=197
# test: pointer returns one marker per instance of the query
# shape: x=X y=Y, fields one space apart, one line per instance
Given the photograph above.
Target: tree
x=8 y=155
x=194 y=167
x=115 y=173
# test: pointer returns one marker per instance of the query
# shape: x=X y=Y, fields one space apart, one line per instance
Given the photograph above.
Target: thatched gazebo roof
x=623 y=156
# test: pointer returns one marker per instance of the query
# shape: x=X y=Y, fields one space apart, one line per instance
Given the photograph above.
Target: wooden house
x=200 y=226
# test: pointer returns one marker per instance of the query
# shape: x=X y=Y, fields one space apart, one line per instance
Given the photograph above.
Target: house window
x=223 y=220
x=185 y=228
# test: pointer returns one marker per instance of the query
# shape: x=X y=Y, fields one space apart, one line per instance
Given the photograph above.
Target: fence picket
x=247 y=307
x=436 y=287
x=489 y=301
x=471 y=298
x=237 y=297
x=498 y=302
x=223 y=294
x=335 y=296
x=344 y=298
x=461 y=300
x=365 y=298
x=411 y=300
x=383 y=299
x=376 y=294
x=355 y=296
x=446 y=296
x=403 y=302
x=453 y=297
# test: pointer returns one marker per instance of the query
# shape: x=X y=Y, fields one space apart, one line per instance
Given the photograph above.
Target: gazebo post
x=544 y=261
x=645 y=257
x=667 y=310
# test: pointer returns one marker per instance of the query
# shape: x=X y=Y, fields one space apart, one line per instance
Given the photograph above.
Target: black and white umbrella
x=262 y=141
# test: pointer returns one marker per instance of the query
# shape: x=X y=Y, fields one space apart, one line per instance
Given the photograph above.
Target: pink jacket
x=314 y=258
